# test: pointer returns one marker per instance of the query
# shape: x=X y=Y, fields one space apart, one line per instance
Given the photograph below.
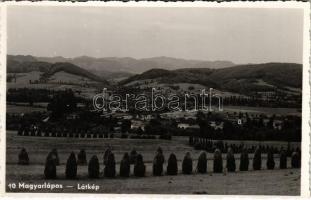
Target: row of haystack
x=52 y=161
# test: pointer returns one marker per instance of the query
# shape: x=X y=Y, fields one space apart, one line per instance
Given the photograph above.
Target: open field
x=237 y=109
x=13 y=109
x=264 y=182
x=283 y=182
x=256 y=110
x=263 y=110
x=39 y=147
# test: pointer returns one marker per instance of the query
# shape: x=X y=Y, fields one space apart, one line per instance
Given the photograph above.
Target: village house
x=146 y=117
x=72 y=116
x=188 y=126
x=136 y=124
x=278 y=124
x=216 y=126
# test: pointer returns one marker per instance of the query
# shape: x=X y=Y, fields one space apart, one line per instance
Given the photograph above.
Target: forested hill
x=235 y=79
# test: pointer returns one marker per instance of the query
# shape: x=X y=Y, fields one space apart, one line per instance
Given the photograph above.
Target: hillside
x=27 y=64
x=22 y=58
x=241 y=79
x=71 y=69
x=24 y=67
x=246 y=76
x=24 y=64
x=107 y=75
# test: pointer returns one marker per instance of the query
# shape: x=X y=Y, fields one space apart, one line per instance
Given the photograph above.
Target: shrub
x=125 y=166
x=93 y=168
x=244 y=160
x=202 y=163
x=230 y=161
x=158 y=163
x=110 y=167
x=217 y=167
x=187 y=164
x=50 y=167
x=283 y=160
x=82 y=157
x=172 y=167
x=270 y=160
x=139 y=167
x=23 y=158
x=71 y=166
x=257 y=159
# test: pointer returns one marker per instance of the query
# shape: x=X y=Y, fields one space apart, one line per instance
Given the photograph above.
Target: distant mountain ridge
x=131 y=65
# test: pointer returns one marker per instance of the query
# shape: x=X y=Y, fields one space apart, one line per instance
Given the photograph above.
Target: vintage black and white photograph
x=154 y=100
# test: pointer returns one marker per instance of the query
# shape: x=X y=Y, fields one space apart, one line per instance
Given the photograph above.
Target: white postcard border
x=305 y=145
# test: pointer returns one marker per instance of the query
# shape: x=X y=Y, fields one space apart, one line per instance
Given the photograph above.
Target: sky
x=240 y=35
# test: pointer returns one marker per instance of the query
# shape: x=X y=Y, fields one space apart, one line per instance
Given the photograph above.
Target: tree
x=50 y=167
x=244 y=160
x=110 y=166
x=158 y=163
x=125 y=166
x=257 y=159
x=230 y=161
x=106 y=155
x=126 y=126
x=172 y=167
x=295 y=160
x=283 y=159
x=190 y=88
x=71 y=167
x=139 y=167
x=270 y=122
x=270 y=160
x=82 y=157
x=133 y=156
x=228 y=128
x=139 y=131
x=187 y=164
x=62 y=103
x=53 y=155
x=217 y=167
x=93 y=168
x=202 y=163
x=155 y=127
